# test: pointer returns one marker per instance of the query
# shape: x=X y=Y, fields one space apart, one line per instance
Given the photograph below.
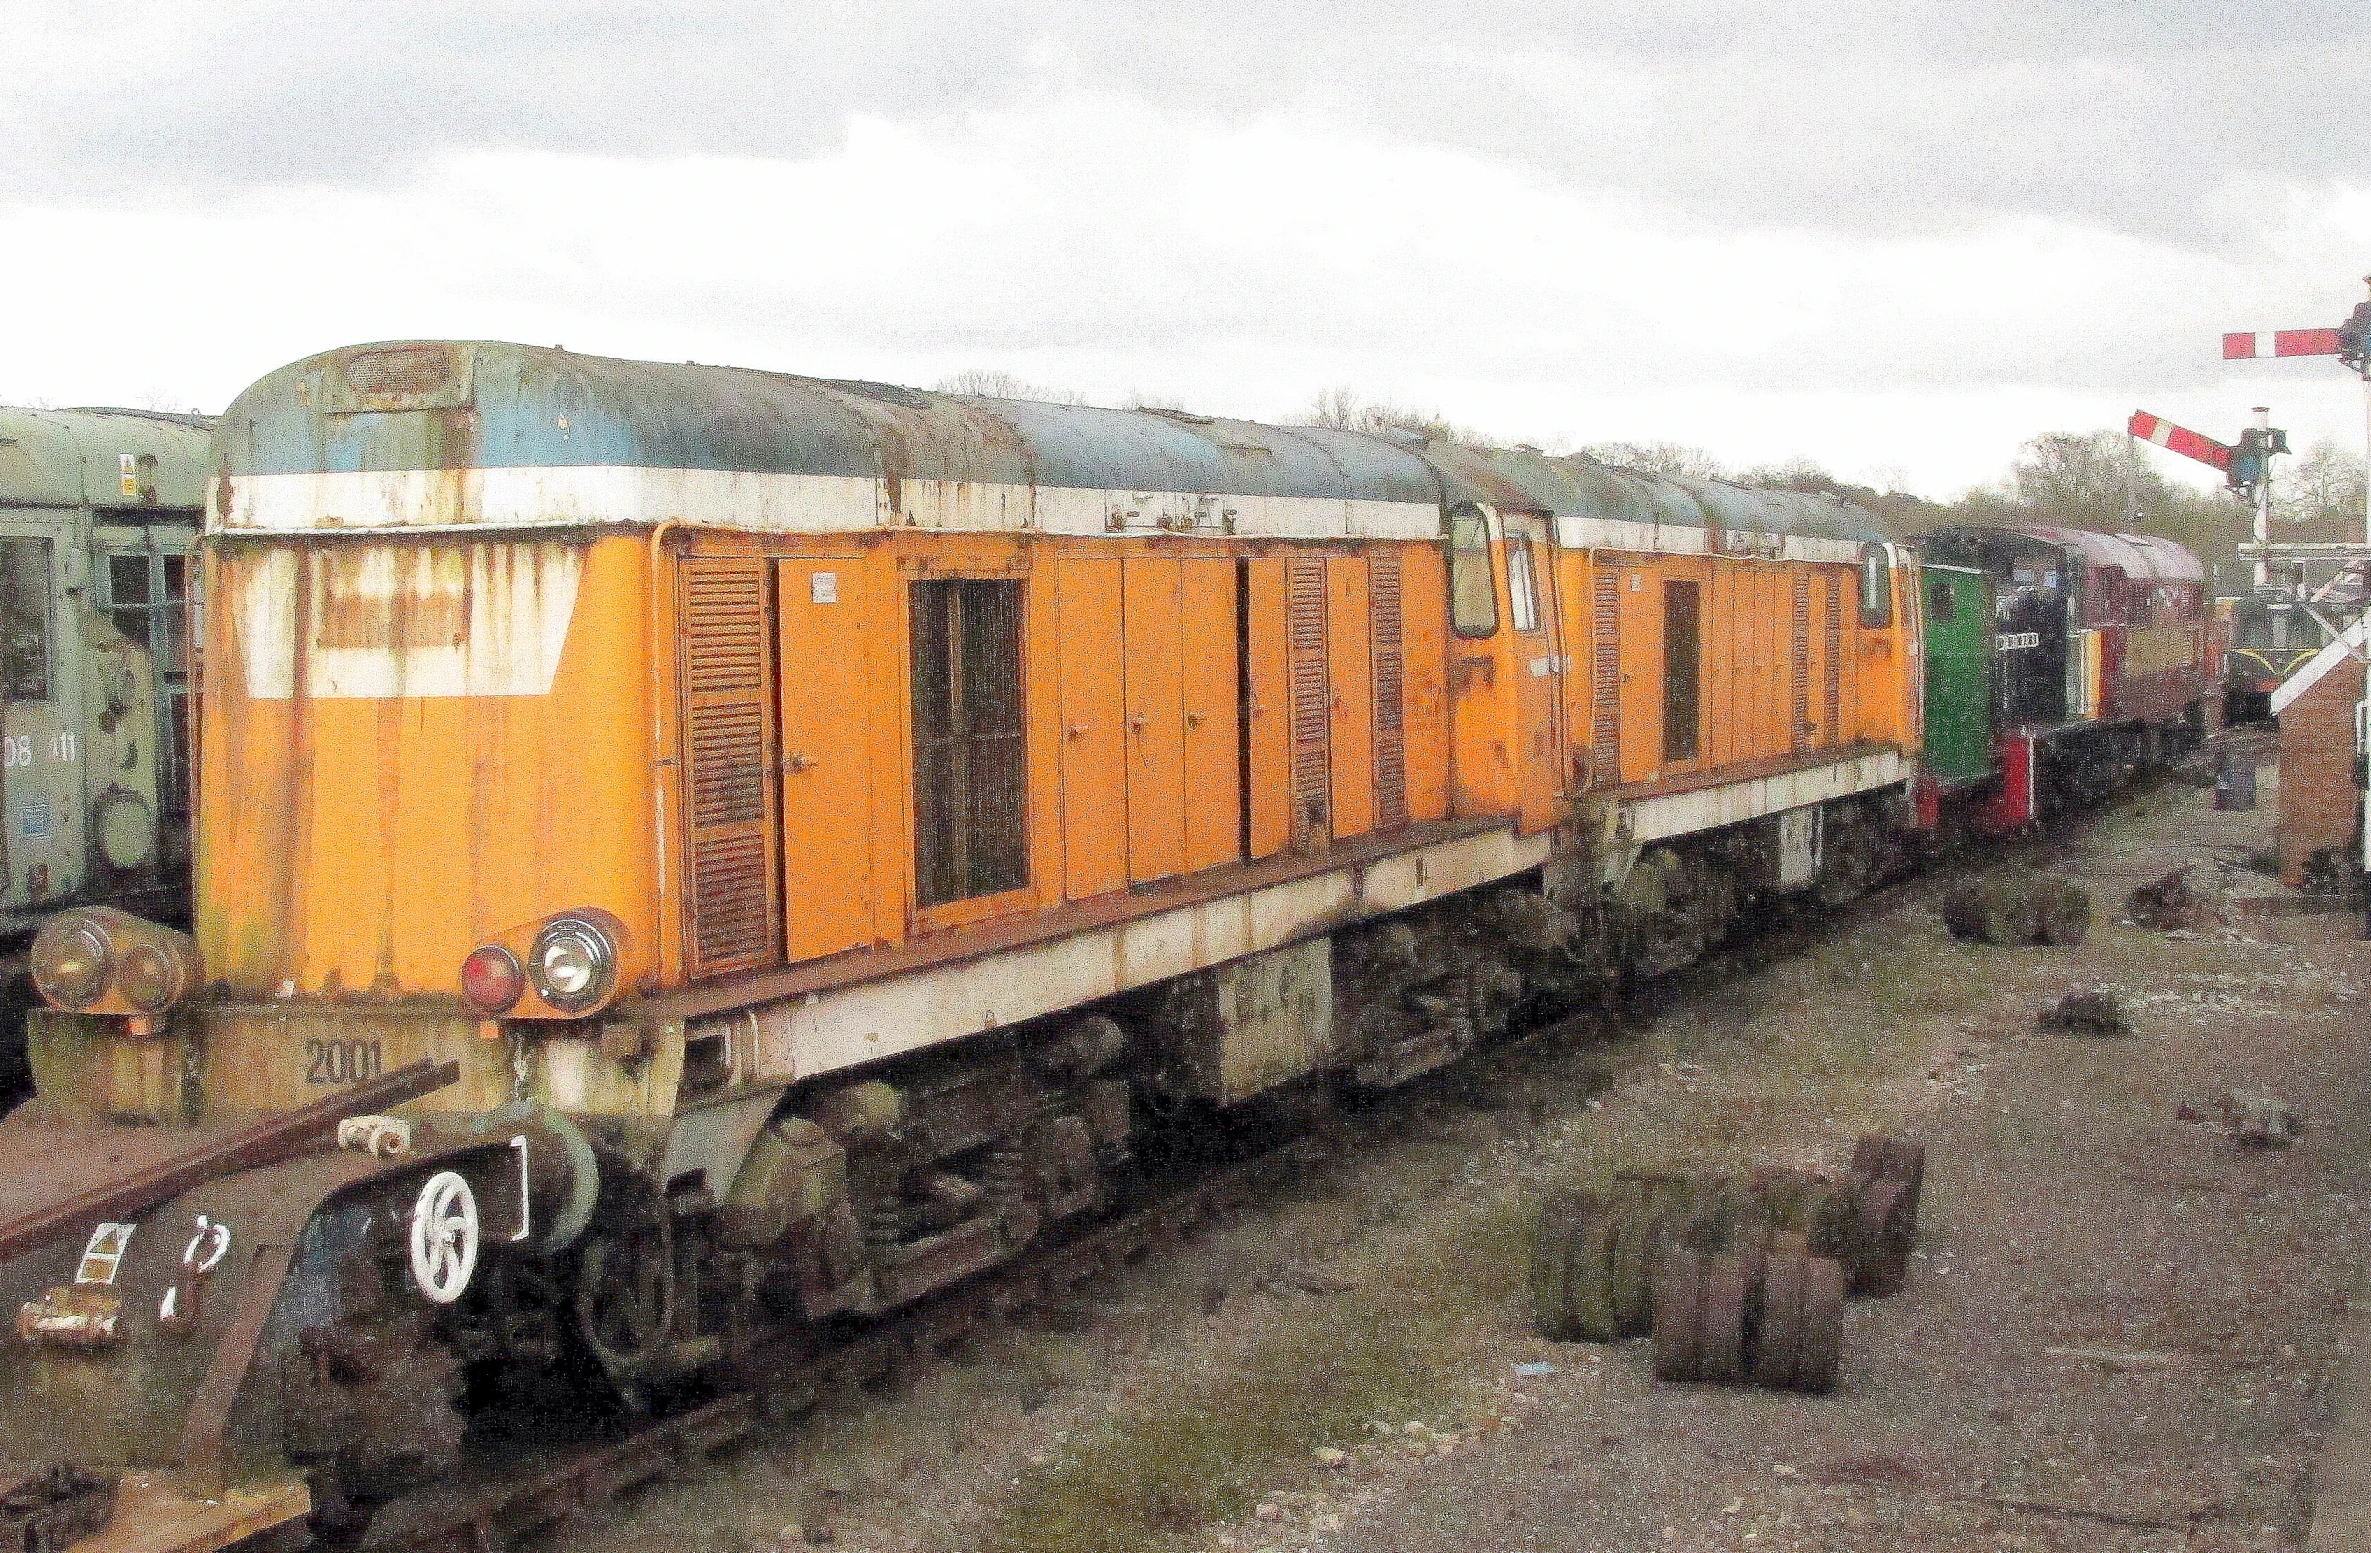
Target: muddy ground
x=2121 y=1328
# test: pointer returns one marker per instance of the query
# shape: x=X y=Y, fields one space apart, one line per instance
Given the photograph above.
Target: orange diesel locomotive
x=757 y=848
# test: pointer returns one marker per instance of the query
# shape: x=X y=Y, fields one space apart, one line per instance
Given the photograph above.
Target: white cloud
x=1097 y=239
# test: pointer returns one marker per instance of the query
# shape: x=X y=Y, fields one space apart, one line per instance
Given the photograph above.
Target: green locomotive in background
x=99 y=516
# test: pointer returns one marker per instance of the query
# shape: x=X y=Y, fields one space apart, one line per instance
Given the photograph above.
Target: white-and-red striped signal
x=2179 y=439
x=2280 y=342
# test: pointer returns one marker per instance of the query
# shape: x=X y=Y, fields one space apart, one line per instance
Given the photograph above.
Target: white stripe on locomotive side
x=435 y=500
x=845 y=1027
x=465 y=502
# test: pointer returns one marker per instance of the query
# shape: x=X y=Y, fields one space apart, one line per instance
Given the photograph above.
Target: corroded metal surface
x=513 y=406
x=482 y=405
x=68 y=1177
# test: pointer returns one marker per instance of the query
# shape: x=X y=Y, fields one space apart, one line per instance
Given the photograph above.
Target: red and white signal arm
x=2179 y=439
x=2245 y=346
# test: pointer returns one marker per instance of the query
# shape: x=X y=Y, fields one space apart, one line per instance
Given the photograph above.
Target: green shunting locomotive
x=99 y=517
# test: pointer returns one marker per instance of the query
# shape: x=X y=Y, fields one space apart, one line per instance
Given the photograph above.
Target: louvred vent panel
x=1305 y=636
x=1391 y=735
x=724 y=615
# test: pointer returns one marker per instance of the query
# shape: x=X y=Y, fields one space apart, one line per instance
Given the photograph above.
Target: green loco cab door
x=1958 y=674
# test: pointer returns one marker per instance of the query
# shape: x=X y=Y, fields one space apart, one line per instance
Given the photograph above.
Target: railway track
x=540 y=1493
x=535 y=1492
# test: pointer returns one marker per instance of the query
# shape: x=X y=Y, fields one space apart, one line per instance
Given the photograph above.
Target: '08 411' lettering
x=16 y=749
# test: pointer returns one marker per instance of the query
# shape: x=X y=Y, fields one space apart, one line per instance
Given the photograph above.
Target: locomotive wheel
x=1897 y=1159
x=1589 y=1296
x=1883 y=1238
x=1779 y=1337
x=1636 y=1235
x=1823 y=1325
x=1551 y=1256
x=1068 y=1178
x=625 y=1299
x=1721 y=1318
x=1679 y=1286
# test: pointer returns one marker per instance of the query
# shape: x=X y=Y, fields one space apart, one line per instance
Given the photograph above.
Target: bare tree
x=2081 y=479
x=1796 y=474
x=1658 y=458
x=2320 y=496
x=1341 y=409
x=1336 y=408
x=995 y=383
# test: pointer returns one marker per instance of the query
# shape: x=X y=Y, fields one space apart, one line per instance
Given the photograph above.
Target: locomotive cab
x=2099 y=654
x=99 y=512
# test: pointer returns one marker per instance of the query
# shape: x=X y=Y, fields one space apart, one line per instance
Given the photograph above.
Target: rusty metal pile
x=1736 y=1280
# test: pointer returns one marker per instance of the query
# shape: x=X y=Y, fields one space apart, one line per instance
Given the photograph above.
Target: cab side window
x=1523 y=587
x=24 y=619
x=1473 y=591
x=1877 y=594
x=148 y=603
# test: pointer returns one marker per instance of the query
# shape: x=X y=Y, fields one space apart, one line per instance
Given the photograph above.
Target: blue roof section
x=411 y=405
x=1580 y=488
x=450 y=405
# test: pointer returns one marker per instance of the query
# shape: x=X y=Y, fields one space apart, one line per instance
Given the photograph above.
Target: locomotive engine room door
x=827 y=790
x=1539 y=669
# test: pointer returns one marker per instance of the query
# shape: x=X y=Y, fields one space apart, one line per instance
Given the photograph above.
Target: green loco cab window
x=1877 y=594
x=148 y=602
x=970 y=768
x=1942 y=604
x=1473 y=591
x=24 y=619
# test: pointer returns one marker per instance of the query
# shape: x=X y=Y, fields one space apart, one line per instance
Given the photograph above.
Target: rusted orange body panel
x=1268 y=716
x=1424 y=637
x=357 y=846
x=1856 y=685
x=1352 y=723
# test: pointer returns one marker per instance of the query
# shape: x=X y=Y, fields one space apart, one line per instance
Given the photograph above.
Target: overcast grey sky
x=1897 y=239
